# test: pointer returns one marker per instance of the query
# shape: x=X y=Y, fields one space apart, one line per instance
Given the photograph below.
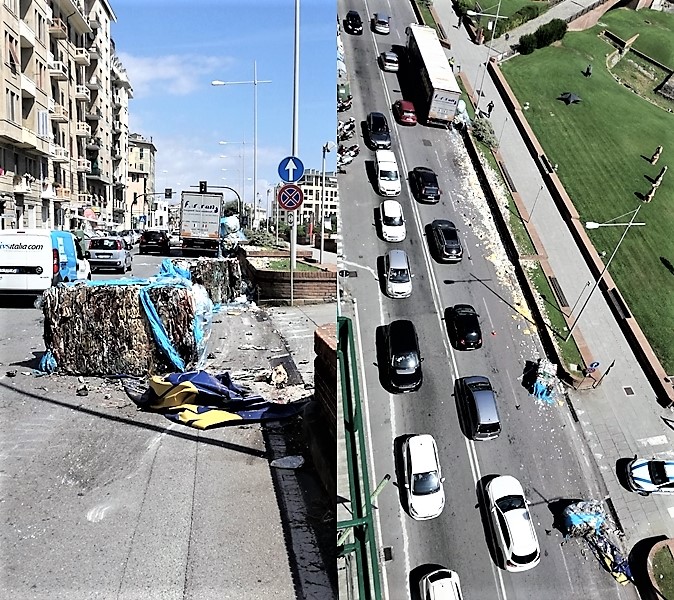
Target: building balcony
x=82 y=56
x=94 y=83
x=58 y=29
x=26 y=34
x=82 y=92
x=60 y=114
x=94 y=21
x=51 y=104
x=118 y=182
x=116 y=152
x=92 y=113
x=24 y=184
x=59 y=153
x=116 y=126
x=58 y=70
x=27 y=86
x=83 y=165
x=83 y=129
x=94 y=52
x=116 y=101
x=93 y=143
x=97 y=173
x=62 y=193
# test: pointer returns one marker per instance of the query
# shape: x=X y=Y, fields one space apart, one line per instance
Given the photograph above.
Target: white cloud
x=172 y=74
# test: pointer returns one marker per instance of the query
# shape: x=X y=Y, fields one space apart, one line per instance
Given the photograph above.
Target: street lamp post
x=326 y=148
x=533 y=208
x=496 y=17
x=255 y=83
x=266 y=212
x=593 y=225
x=242 y=156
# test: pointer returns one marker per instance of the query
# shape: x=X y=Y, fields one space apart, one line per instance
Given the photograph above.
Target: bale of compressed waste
x=104 y=330
x=220 y=276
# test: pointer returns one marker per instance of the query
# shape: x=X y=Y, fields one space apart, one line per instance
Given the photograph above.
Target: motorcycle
x=344 y=160
x=350 y=150
x=346 y=135
x=343 y=105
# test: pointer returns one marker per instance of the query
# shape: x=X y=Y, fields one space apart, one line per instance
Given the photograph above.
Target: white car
x=441 y=584
x=423 y=477
x=389 y=62
x=392 y=221
x=511 y=521
x=398 y=275
x=650 y=476
x=381 y=23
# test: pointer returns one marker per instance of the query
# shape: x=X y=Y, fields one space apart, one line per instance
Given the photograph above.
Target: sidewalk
x=621 y=417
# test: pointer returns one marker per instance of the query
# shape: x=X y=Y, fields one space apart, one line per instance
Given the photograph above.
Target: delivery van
x=33 y=260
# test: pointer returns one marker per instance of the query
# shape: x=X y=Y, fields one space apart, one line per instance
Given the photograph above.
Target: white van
x=33 y=260
x=388 y=177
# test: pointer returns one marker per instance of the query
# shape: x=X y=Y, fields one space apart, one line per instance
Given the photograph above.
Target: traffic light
x=203 y=187
x=168 y=193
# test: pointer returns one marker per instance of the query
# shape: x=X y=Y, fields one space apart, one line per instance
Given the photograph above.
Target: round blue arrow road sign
x=291 y=169
x=290 y=197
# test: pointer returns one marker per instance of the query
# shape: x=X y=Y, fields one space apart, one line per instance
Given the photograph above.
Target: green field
x=601 y=146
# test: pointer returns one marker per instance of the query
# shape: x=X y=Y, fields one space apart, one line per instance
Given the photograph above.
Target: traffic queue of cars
x=401 y=369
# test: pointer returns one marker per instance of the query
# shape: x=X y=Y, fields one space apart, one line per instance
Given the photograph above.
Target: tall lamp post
x=496 y=17
x=255 y=83
x=326 y=148
x=593 y=225
x=242 y=156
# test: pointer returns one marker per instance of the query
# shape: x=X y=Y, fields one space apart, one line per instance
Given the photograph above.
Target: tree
x=527 y=44
x=484 y=132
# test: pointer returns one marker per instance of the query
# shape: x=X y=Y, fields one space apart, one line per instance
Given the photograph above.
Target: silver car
x=109 y=253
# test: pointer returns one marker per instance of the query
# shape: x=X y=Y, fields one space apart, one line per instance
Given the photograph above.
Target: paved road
x=622 y=417
x=539 y=444
x=100 y=500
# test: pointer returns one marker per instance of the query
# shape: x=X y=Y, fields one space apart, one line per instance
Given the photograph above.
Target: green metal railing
x=361 y=526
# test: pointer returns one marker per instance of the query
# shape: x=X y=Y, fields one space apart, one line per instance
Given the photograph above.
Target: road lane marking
x=656 y=440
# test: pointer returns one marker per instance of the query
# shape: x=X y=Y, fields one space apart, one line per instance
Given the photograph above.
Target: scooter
x=343 y=105
x=344 y=160
x=346 y=135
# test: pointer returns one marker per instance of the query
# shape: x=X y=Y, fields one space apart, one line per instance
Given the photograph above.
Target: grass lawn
x=508 y=7
x=283 y=264
x=663 y=569
x=602 y=146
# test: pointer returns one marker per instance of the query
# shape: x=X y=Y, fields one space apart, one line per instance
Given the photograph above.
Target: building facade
x=64 y=122
x=310 y=211
x=140 y=197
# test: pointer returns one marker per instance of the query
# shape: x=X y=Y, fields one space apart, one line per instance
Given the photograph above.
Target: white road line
x=657 y=440
x=491 y=322
x=365 y=268
x=366 y=407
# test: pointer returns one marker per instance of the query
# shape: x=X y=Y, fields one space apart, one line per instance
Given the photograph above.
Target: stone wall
x=321 y=421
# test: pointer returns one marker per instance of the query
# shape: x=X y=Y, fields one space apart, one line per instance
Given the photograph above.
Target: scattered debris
x=11 y=373
x=278 y=377
x=82 y=390
x=288 y=462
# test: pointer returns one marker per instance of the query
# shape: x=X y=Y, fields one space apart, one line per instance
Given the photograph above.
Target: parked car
x=444 y=237
x=388 y=61
x=511 y=522
x=392 y=221
x=381 y=23
x=424 y=183
x=403 y=357
x=478 y=405
x=174 y=239
x=423 y=477
x=378 y=132
x=650 y=476
x=109 y=253
x=353 y=23
x=463 y=327
x=440 y=584
x=404 y=112
x=397 y=274
x=154 y=240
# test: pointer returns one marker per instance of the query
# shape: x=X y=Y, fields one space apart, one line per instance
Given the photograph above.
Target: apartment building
x=64 y=122
x=141 y=197
x=310 y=211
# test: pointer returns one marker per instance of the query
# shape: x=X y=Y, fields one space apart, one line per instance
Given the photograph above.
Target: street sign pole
x=296 y=111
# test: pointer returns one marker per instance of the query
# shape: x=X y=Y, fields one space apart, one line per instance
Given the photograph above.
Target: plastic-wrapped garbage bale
x=104 y=330
x=220 y=276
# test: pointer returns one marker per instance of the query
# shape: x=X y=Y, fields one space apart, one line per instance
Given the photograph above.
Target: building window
x=12 y=105
x=12 y=52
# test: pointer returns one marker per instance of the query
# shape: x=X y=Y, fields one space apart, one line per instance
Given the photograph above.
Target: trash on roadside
x=82 y=390
x=202 y=400
x=544 y=387
x=11 y=373
x=220 y=276
x=278 y=376
x=288 y=462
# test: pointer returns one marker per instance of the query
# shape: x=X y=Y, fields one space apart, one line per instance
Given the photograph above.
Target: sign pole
x=296 y=98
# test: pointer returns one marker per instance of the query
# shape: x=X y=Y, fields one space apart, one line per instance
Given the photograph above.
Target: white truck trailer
x=200 y=222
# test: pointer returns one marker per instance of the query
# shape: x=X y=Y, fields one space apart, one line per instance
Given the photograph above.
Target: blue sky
x=173 y=49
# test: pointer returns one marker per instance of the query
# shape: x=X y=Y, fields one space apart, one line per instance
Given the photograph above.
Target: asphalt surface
x=539 y=443
x=99 y=500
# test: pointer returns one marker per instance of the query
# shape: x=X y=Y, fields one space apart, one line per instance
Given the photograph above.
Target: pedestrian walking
x=458 y=25
x=451 y=63
x=588 y=71
x=490 y=107
x=656 y=155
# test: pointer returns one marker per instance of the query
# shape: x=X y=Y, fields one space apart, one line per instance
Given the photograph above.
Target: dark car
x=478 y=404
x=445 y=238
x=154 y=241
x=403 y=357
x=353 y=23
x=425 y=185
x=378 y=132
x=463 y=327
